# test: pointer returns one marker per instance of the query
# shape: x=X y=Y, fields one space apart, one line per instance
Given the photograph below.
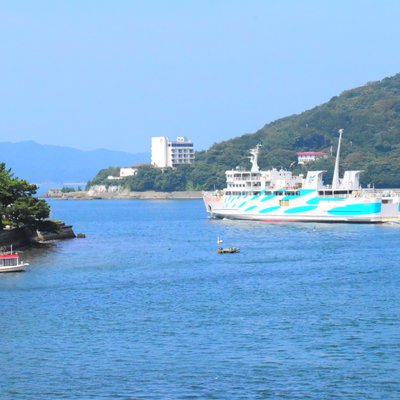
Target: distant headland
x=369 y=114
x=94 y=194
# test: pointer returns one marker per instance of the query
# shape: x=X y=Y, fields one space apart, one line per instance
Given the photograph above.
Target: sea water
x=144 y=308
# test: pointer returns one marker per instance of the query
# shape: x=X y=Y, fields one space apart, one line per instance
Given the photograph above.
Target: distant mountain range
x=45 y=164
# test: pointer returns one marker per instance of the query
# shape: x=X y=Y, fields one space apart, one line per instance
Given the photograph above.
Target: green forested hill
x=369 y=115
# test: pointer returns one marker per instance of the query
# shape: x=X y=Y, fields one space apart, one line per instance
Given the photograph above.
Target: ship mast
x=335 y=179
x=254 y=158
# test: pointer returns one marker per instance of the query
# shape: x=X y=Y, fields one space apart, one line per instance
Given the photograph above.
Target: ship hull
x=308 y=206
x=13 y=268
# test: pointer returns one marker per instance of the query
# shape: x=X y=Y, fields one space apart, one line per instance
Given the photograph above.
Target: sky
x=111 y=74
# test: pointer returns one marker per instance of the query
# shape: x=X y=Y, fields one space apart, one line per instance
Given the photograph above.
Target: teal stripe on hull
x=268 y=198
x=269 y=209
x=356 y=209
x=317 y=200
x=290 y=197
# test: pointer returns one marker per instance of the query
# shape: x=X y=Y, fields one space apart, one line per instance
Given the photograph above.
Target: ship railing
x=395 y=192
x=245 y=179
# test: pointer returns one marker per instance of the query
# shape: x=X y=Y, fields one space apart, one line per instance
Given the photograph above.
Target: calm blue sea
x=144 y=308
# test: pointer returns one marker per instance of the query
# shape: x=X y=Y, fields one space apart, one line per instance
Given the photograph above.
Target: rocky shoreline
x=125 y=195
x=24 y=237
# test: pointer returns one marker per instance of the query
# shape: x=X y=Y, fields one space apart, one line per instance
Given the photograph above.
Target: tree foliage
x=165 y=180
x=102 y=177
x=370 y=117
x=17 y=204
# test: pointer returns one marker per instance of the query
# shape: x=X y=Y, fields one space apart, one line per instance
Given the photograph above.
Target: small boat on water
x=10 y=262
x=228 y=250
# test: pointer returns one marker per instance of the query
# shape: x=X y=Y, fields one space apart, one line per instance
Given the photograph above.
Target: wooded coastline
x=126 y=195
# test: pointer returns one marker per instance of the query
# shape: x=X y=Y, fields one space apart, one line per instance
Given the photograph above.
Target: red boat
x=10 y=262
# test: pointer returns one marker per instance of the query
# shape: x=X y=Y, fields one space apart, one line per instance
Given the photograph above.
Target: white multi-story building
x=304 y=157
x=166 y=153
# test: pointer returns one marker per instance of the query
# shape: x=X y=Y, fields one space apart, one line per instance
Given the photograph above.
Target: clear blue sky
x=111 y=74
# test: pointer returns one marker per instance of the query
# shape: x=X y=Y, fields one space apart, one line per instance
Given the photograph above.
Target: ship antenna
x=335 y=179
x=254 y=158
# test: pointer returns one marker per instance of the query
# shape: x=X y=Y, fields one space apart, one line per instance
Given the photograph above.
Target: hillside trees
x=18 y=206
x=165 y=180
x=369 y=115
x=101 y=177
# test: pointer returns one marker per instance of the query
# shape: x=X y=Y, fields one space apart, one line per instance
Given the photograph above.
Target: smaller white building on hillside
x=123 y=173
x=128 y=171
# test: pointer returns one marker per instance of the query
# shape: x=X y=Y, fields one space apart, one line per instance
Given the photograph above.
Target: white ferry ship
x=279 y=196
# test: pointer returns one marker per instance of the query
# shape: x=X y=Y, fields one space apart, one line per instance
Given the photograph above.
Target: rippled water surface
x=144 y=308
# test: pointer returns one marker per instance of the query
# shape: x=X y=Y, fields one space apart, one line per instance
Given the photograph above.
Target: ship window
x=9 y=262
x=292 y=193
x=334 y=192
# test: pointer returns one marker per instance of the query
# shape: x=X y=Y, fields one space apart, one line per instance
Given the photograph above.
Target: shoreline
x=23 y=238
x=149 y=195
